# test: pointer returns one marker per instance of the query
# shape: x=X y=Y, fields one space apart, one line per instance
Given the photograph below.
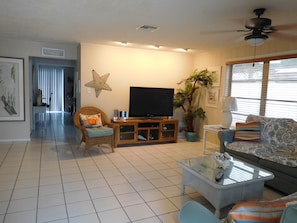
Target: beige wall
x=20 y=130
x=128 y=67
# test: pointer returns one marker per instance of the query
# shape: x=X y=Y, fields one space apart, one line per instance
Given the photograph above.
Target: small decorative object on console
x=222 y=159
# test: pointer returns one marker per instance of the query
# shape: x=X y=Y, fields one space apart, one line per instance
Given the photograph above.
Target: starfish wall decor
x=99 y=83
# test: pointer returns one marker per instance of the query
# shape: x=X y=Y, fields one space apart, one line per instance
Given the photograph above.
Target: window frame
x=265 y=78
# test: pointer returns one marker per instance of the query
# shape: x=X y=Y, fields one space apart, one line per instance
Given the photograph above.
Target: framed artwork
x=212 y=97
x=12 y=106
x=217 y=78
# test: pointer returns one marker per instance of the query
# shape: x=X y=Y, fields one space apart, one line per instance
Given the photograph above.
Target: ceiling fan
x=259 y=29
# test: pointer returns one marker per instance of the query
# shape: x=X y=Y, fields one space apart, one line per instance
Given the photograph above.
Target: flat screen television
x=148 y=102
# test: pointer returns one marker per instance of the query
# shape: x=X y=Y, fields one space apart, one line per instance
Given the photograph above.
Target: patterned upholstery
x=280 y=133
x=278 y=141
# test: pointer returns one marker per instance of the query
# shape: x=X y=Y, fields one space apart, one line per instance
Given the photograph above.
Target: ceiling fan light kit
x=256 y=39
x=259 y=27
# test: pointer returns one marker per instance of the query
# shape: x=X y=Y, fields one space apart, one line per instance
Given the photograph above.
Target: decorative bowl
x=223 y=160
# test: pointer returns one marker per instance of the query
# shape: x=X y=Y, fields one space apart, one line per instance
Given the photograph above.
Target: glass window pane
x=246 y=87
x=282 y=89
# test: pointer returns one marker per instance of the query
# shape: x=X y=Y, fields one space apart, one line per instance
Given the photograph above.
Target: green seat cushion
x=290 y=213
x=194 y=212
x=101 y=131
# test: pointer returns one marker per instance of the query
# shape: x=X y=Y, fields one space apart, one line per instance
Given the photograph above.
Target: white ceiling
x=183 y=23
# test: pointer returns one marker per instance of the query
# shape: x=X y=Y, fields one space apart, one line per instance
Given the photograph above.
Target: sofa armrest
x=225 y=136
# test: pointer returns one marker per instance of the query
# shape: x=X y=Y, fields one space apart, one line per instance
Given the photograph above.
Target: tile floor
x=49 y=180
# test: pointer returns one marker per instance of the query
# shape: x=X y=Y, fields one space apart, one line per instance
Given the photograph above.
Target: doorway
x=55 y=80
x=50 y=82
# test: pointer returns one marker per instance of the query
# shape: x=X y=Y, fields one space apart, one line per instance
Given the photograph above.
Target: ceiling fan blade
x=216 y=31
x=224 y=31
x=244 y=30
x=286 y=27
x=283 y=36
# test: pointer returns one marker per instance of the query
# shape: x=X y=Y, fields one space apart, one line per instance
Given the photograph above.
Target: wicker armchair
x=87 y=138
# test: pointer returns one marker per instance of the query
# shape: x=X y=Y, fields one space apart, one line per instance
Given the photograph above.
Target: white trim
x=275 y=54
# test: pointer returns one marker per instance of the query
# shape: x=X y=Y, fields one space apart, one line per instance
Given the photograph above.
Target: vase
x=191 y=136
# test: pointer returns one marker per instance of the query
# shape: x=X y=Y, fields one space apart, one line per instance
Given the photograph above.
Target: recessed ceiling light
x=124 y=43
x=155 y=46
x=148 y=28
x=183 y=49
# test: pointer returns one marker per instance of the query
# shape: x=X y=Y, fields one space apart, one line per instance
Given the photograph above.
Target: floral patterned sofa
x=276 y=151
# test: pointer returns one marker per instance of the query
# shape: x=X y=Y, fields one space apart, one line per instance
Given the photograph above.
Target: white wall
x=128 y=67
x=20 y=130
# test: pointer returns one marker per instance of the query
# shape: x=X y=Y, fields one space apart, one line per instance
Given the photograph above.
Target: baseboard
x=15 y=140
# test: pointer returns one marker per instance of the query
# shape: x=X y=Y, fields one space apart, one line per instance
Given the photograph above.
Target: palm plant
x=189 y=98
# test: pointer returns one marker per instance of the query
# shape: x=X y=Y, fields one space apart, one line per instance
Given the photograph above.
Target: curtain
x=51 y=82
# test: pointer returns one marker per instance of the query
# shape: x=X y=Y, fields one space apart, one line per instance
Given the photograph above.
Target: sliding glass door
x=51 y=82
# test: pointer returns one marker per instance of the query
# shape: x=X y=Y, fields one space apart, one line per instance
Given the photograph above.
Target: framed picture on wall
x=212 y=97
x=12 y=106
x=217 y=75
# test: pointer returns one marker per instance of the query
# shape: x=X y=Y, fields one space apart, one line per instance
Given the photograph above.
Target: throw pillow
x=249 y=131
x=248 y=126
x=91 y=121
x=259 y=211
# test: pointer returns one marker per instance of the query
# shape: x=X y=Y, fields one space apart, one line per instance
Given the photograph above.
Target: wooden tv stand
x=144 y=131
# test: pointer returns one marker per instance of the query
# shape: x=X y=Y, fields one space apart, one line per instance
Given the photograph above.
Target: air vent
x=148 y=28
x=52 y=52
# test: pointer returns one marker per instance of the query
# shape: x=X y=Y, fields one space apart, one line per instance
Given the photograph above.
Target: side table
x=207 y=129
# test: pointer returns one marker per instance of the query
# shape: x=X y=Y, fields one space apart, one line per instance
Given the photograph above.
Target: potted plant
x=189 y=98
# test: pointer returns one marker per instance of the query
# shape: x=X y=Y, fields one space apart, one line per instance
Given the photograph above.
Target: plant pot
x=191 y=136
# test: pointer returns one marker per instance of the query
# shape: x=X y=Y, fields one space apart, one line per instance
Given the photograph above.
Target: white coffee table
x=241 y=181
